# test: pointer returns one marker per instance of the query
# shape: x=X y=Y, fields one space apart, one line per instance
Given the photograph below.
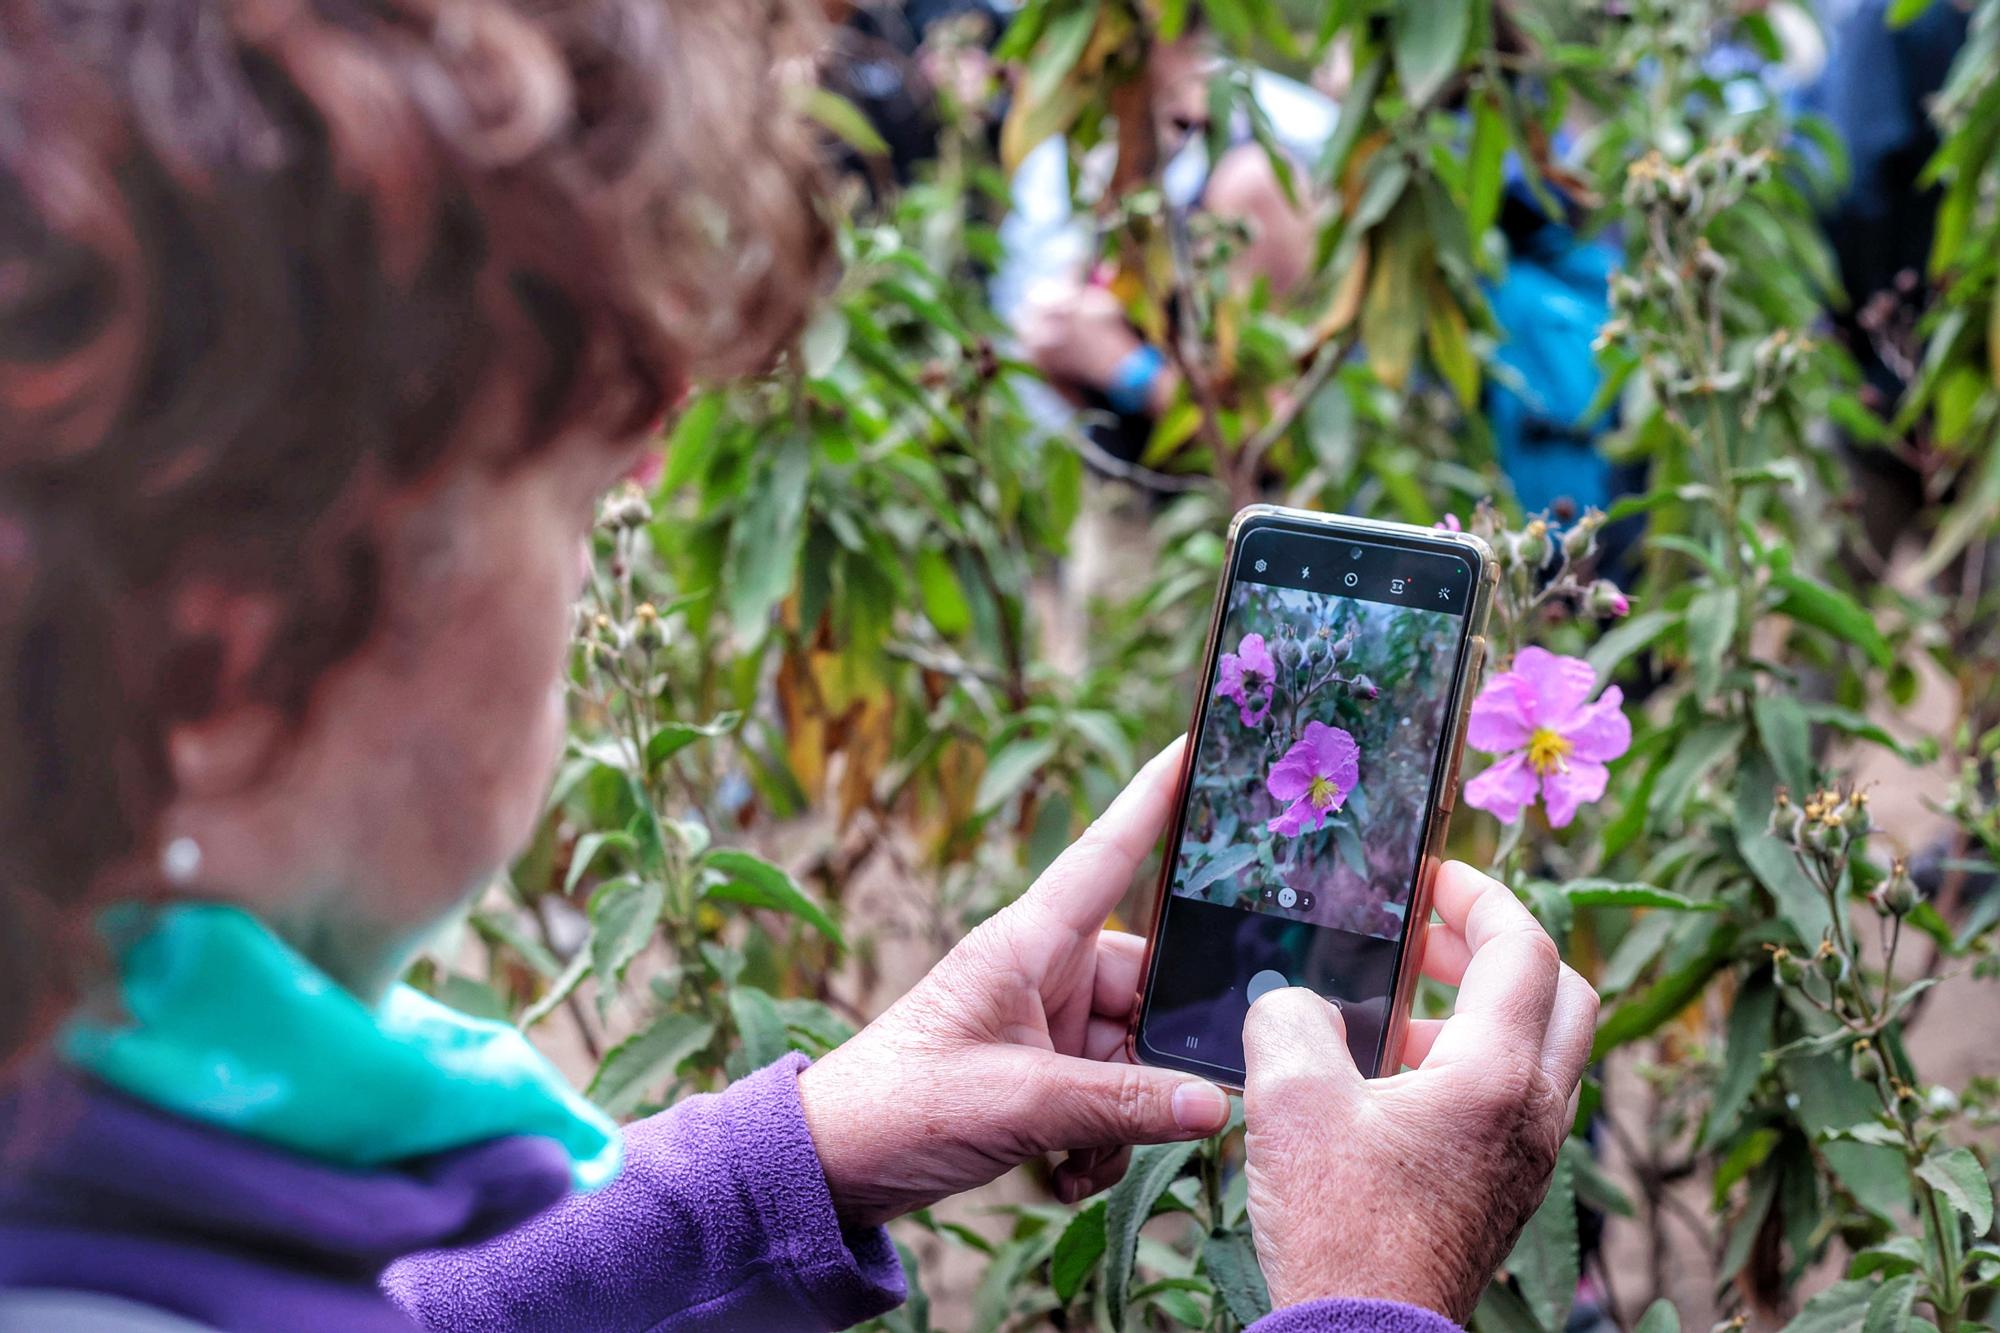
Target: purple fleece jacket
x=720 y=1221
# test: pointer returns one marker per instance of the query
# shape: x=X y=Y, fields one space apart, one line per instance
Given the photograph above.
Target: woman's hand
x=1013 y=1045
x=1414 y=1188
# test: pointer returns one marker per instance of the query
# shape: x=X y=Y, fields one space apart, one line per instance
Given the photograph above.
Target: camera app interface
x=1313 y=774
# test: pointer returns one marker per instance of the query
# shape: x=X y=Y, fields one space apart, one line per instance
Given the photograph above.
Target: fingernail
x=1200 y=1108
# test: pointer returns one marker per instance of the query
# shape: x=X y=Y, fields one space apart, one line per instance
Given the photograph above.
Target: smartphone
x=1342 y=658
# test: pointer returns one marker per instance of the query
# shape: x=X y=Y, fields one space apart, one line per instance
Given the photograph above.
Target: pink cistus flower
x=1555 y=744
x=1449 y=523
x=1248 y=675
x=1313 y=778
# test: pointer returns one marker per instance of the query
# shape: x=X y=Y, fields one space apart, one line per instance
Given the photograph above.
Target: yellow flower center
x=1547 y=751
x=1323 y=793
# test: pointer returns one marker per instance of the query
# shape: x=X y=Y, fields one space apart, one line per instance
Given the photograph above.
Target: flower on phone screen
x=1553 y=742
x=1246 y=677
x=1313 y=778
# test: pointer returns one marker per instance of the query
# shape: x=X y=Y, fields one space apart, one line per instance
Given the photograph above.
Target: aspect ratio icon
x=1396 y=585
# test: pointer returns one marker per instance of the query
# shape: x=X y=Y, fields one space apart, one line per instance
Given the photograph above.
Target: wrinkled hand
x=1414 y=1188
x=1013 y=1045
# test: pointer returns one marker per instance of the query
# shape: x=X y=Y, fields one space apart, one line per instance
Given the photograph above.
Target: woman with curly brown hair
x=323 y=323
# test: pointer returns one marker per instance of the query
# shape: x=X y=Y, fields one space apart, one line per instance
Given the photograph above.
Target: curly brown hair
x=266 y=264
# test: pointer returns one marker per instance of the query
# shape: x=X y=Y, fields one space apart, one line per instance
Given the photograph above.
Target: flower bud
x=1580 y=538
x=1786 y=967
x=647 y=632
x=1784 y=815
x=1362 y=687
x=1941 y=1101
x=1861 y=1062
x=1534 y=545
x=1899 y=892
x=1832 y=963
x=626 y=507
x=1605 y=599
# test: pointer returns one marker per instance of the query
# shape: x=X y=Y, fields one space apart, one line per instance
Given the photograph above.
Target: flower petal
x=1505 y=790
x=1291 y=777
x=1291 y=821
x=1229 y=677
x=1577 y=783
x=1499 y=721
x=1335 y=754
x=1601 y=731
x=1256 y=656
x=1556 y=685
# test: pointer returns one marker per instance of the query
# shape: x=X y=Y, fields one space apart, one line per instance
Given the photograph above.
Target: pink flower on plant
x=1554 y=744
x=1449 y=523
x=1314 y=777
x=1245 y=675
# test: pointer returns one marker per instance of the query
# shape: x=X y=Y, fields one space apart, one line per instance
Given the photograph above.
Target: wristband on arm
x=1131 y=387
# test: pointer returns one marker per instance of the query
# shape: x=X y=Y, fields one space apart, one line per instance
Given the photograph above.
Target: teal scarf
x=225 y=1023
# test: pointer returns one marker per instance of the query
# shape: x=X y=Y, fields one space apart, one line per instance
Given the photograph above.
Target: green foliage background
x=822 y=649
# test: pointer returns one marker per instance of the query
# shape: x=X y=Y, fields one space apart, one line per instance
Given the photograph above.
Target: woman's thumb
x=1295 y=1039
x=1091 y=1104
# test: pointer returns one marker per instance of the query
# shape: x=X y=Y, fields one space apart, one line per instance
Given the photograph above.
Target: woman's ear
x=222 y=748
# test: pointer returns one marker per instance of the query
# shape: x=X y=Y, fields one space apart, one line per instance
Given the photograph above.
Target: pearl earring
x=180 y=860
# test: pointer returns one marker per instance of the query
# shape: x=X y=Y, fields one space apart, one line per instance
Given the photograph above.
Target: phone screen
x=1318 y=764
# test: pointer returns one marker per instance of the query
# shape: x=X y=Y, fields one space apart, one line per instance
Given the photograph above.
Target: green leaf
x=764 y=544
x=1608 y=893
x=755 y=882
x=1546 y=1261
x=623 y=913
x=1841 y=1308
x=1903 y=12
x=1799 y=900
x=759 y=1026
x=1889 y=1308
x=673 y=737
x=1009 y=770
x=1626 y=638
x=1787 y=738
x=1355 y=111
x=691 y=444
x=840 y=117
x=1957 y=1175
x=1175 y=428
x=1223 y=864
x=1893 y=1257
x=586 y=850
x=1660 y=1317
x=1502 y=1311
x=1077 y=1252
x=1699 y=751
x=943 y=595
x=1711 y=627
x=647 y=1059
x=1230 y=1260
x=1127 y=1206
x=1826 y=1097
x=1828 y=609
x=501 y=928
x=1428 y=42
x=1748 y=1037
x=1485 y=164
x=559 y=990
x=1061 y=47
x=1645 y=1012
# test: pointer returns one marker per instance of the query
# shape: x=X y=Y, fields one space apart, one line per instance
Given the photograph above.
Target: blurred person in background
x=322 y=329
